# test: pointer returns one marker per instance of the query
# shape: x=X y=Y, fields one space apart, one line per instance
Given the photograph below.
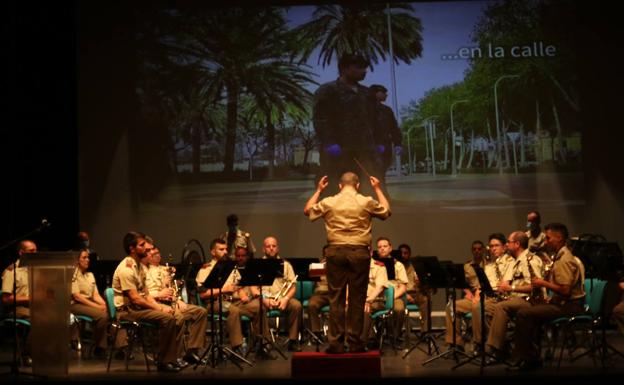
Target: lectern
x=49 y=277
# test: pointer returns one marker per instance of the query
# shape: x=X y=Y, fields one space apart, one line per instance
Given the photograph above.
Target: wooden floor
x=394 y=368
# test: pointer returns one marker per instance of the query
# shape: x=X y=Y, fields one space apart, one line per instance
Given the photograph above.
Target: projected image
x=464 y=107
x=476 y=88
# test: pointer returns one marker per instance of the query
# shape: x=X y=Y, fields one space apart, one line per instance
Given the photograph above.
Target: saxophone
x=284 y=289
x=499 y=276
x=538 y=295
x=173 y=283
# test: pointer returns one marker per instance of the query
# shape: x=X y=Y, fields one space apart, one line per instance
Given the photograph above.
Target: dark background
x=46 y=61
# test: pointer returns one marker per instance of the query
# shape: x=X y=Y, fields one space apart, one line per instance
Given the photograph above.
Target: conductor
x=348 y=217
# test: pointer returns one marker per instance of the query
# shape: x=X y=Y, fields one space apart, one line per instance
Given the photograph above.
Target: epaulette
x=205 y=265
x=129 y=262
x=379 y=263
x=10 y=267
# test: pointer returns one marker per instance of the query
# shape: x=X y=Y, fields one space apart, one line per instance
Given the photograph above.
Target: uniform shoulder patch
x=129 y=262
x=379 y=263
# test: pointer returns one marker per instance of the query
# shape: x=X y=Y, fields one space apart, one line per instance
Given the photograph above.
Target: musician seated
x=162 y=285
x=397 y=277
x=87 y=301
x=318 y=300
x=375 y=299
x=415 y=294
x=210 y=296
x=281 y=294
x=22 y=292
x=516 y=288
x=245 y=301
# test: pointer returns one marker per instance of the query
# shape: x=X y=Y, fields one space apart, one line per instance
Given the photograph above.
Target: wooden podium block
x=348 y=365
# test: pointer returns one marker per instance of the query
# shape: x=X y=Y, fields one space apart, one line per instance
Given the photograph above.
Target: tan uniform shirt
x=537 y=241
x=471 y=276
x=521 y=276
x=503 y=265
x=278 y=282
x=155 y=278
x=412 y=279
x=377 y=277
x=566 y=271
x=400 y=274
x=128 y=275
x=348 y=217
x=83 y=283
x=21 y=275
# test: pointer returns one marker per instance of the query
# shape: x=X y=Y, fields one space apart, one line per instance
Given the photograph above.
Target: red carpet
x=323 y=365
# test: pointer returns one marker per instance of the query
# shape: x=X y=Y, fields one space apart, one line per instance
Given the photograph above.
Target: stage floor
x=393 y=369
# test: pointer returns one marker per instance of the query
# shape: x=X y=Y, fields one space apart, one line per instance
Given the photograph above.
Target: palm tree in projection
x=245 y=51
x=362 y=28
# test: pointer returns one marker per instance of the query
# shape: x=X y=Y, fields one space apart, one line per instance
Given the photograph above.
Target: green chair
x=381 y=318
x=134 y=330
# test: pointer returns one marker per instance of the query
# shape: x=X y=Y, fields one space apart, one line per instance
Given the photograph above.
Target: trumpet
x=284 y=289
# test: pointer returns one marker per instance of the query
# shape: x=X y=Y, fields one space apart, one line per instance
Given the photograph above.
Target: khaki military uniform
x=565 y=271
x=238 y=308
x=520 y=275
x=537 y=243
x=129 y=275
x=398 y=311
x=192 y=316
x=84 y=284
x=294 y=309
x=21 y=289
x=417 y=296
x=503 y=265
x=348 y=223
x=377 y=277
x=316 y=302
x=462 y=306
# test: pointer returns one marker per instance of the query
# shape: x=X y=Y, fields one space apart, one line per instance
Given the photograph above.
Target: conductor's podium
x=347 y=365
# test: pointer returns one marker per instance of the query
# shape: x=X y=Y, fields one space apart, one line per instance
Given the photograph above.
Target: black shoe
x=319 y=336
x=169 y=367
x=121 y=356
x=181 y=363
x=265 y=354
x=99 y=352
x=293 y=346
x=191 y=358
x=525 y=366
x=27 y=361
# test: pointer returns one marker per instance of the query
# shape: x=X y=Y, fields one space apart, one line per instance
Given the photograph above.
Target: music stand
x=603 y=260
x=215 y=280
x=455 y=279
x=486 y=291
x=262 y=272
x=301 y=267
x=431 y=276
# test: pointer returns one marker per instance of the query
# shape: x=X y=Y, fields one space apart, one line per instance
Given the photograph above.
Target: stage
x=393 y=369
